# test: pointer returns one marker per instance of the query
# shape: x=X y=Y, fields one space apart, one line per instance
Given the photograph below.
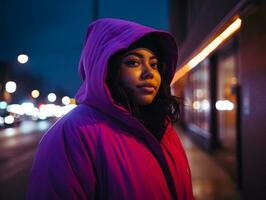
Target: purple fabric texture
x=99 y=150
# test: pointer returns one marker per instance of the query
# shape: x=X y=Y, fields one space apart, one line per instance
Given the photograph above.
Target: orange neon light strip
x=232 y=28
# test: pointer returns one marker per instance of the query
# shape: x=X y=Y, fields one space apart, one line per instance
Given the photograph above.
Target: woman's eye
x=154 y=65
x=132 y=63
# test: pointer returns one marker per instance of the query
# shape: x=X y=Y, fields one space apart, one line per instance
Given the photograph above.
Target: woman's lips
x=147 y=88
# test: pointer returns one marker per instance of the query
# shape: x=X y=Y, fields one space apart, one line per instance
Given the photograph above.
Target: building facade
x=221 y=77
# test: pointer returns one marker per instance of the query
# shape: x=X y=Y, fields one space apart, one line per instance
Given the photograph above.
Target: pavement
x=210 y=180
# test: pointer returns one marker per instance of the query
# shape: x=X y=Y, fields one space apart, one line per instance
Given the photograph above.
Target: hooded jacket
x=99 y=150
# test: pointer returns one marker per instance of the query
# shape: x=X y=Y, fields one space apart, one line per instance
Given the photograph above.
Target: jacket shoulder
x=75 y=125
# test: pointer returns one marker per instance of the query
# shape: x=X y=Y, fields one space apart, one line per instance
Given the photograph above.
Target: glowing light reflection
x=231 y=29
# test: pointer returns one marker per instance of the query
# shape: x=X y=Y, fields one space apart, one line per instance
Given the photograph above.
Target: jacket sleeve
x=178 y=163
x=64 y=165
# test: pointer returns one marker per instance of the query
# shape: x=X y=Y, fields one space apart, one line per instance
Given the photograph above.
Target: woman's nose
x=147 y=72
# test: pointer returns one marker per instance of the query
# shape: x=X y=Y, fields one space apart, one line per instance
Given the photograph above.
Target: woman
x=118 y=143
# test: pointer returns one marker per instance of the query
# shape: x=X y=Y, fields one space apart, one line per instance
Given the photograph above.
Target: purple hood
x=104 y=38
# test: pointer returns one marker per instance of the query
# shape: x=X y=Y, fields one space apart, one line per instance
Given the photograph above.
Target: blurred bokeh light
x=35 y=93
x=23 y=58
x=66 y=100
x=51 y=97
x=11 y=86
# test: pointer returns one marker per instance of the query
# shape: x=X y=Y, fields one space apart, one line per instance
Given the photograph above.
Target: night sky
x=51 y=33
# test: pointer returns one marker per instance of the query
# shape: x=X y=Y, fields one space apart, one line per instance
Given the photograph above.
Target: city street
x=17 y=147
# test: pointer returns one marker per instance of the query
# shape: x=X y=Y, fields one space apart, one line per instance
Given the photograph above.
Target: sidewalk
x=210 y=181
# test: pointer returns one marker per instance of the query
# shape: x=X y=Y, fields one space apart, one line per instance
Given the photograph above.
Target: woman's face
x=140 y=76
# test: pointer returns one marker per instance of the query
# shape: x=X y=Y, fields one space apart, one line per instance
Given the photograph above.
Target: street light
x=66 y=100
x=23 y=58
x=11 y=86
x=51 y=97
x=35 y=94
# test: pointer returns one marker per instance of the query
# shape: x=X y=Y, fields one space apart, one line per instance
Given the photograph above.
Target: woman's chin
x=144 y=100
